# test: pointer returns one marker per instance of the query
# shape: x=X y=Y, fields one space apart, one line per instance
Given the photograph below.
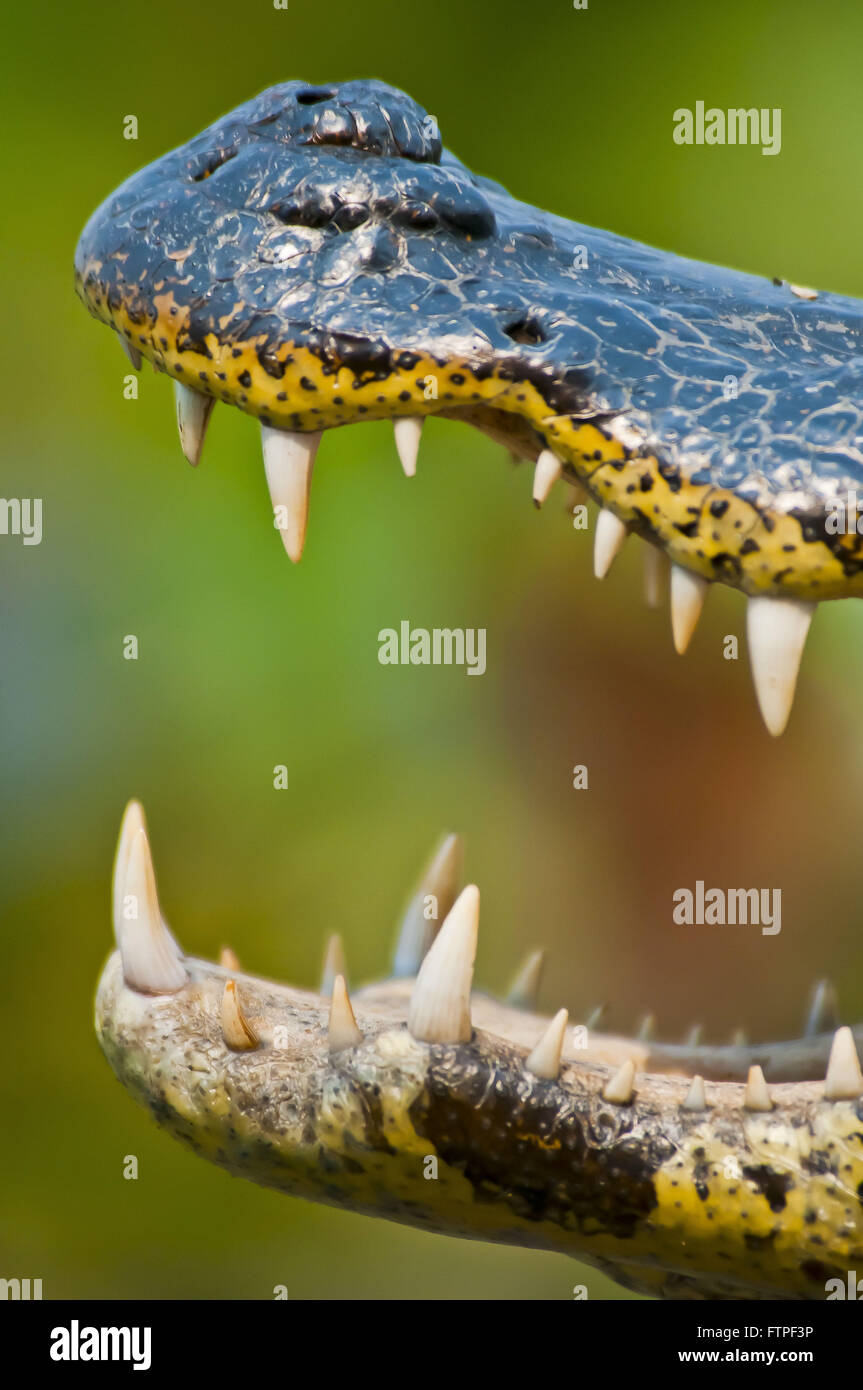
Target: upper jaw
x=316 y=259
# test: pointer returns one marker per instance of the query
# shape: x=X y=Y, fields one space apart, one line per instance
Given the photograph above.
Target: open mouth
x=681 y=1170
x=317 y=259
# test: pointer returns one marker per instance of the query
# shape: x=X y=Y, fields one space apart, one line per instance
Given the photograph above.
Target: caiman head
x=317 y=259
x=682 y=1171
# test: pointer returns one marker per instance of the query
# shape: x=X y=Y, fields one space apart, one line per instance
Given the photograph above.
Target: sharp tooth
x=133 y=821
x=620 y=1088
x=739 y=1038
x=334 y=964
x=655 y=576
x=693 y=1037
x=548 y=469
x=288 y=462
x=525 y=987
x=440 y=881
x=777 y=629
x=193 y=416
x=440 y=1003
x=688 y=592
x=343 y=1031
x=608 y=538
x=544 y=1060
x=843 y=1081
x=407 y=430
x=228 y=959
x=696 y=1098
x=756 y=1096
x=595 y=1017
x=647 y=1028
x=823 y=1015
x=131 y=352
x=237 y=1032
x=150 y=962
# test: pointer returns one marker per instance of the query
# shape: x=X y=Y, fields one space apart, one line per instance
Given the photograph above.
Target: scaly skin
x=316 y=259
x=723 y=1203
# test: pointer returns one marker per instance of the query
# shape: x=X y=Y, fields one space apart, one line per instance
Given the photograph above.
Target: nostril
x=525 y=330
x=310 y=96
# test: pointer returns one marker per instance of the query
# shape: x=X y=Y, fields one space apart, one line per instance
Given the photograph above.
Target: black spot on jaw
x=773 y=1186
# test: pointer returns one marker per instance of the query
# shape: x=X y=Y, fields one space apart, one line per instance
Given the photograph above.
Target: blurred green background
x=246 y=662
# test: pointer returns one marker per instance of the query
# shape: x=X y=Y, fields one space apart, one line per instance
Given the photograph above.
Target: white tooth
x=288 y=461
x=525 y=987
x=133 y=353
x=133 y=821
x=544 y=1060
x=756 y=1096
x=777 y=629
x=693 y=1037
x=150 y=962
x=407 y=430
x=440 y=1002
x=334 y=964
x=696 y=1098
x=608 y=538
x=193 y=416
x=619 y=1088
x=343 y=1031
x=655 y=575
x=595 y=1017
x=237 y=1032
x=647 y=1028
x=548 y=470
x=228 y=960
x=843 y=1081
x=823 y=1016
x=688 y=592
x=435 y=895
x=739 y=1038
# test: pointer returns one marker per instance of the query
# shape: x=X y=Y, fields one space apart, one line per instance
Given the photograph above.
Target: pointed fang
x=343 y=1031
x=193 y=416
x=756 y=1096
x=334 y=964
x=289 y=458
x=688 y=592
x=544 y=1060
x=237 y=1032
x=843 y=1081
x=407 y=430
x=525 y=987
x=696 y=1097
x=150 y=962
x=608 y=539
x=776 y=629
x=439 y=1010
x=619 y=1089
x=429 y=906
x=823 y=1013
x=548 y=469
x=655 y=576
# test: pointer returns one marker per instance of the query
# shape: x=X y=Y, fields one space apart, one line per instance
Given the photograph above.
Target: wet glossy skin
x=316 y=258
